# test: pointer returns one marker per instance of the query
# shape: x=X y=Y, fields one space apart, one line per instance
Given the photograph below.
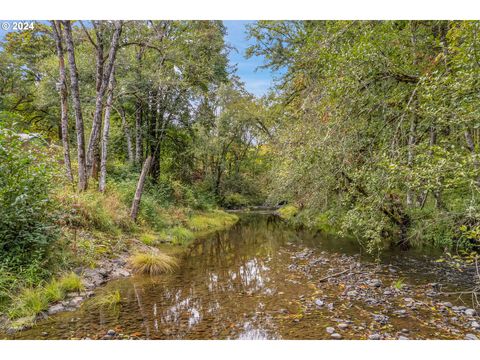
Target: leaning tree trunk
x=139 y=190
x=82 y=170
x=97 y=116
x=106 y=130
x=58 y=35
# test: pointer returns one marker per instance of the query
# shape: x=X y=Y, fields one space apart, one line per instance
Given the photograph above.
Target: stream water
x=261 y=279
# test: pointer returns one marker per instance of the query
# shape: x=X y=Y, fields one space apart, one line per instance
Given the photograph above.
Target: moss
x=287 y=212
x=153 y=263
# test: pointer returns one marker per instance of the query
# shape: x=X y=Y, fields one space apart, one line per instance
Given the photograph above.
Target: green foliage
x=108 y=300
x=180 y=235
x=287 y=212
x=27 y=213
x=71 y=283
x=235 y=201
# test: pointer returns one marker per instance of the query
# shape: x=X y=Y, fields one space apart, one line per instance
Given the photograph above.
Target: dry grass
x=153 y=263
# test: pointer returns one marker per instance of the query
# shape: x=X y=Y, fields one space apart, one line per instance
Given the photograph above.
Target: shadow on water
x=237 y=284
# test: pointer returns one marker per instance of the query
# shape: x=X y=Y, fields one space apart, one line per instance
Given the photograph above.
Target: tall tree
x=75 y=90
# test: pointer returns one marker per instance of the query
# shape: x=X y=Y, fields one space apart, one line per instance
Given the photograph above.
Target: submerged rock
x=330 y=330
x=374 y=337
x=374 y=283
x=319 y=302
x=336 y=336
x=470 y=337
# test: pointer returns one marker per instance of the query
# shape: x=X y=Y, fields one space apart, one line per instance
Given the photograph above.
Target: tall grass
x=153 y=263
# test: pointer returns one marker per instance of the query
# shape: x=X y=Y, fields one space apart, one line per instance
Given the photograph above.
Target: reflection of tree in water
x=224 y=281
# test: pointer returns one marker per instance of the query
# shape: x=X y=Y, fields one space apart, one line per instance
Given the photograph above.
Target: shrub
x=235 y=200
x=27 y=216
x=287 y=212
x=153 y=263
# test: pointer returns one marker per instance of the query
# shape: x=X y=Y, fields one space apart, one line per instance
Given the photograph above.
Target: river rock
x=319 y=302
x=382 y=319
x=447 y=304
x=111 y=332
x=336 y=336
x=475 y=325
x=342 y=326
x=55 y=309
x=470 y=312
x=401 y=337
x=459 y=308
x=470 y=337
x=119 y=273
x=400 y=312
x=374 y=283
x=374 y=337
x=352 y=293
x=76 y=301
x=330 y=330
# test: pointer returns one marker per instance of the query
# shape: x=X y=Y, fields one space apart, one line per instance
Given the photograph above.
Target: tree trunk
x=138 y=134
x=128 y=135
x=106 y=129
x=58 y=35
x=97 y=116
x=82 y=171
x=140 y=186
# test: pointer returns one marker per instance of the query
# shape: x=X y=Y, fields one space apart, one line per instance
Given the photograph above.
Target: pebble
x=336 y=336
x=475 y=325
x=382 y=319
x=447 y=304
x=374 y=337
x=375 y=283
x=111 y=332
x=470 y=337
x=352 y=293
x=330 y=330
x=470 y=312
x=319 y=302
x=401 y=337
x=342 y=326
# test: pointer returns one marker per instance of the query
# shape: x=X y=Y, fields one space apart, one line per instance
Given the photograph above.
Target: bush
x=27 y=216
x=287 y=212
x=234 y=201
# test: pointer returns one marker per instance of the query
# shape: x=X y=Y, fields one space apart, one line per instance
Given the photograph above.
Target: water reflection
x=236 y=284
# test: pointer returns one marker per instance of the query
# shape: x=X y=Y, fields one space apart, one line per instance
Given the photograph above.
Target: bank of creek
x=264 y=280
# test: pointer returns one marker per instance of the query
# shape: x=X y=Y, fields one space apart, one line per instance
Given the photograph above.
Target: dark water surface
x=260 y=280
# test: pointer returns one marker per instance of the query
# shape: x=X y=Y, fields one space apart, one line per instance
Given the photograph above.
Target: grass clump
x=181 y=235
x=71 y=283
x=153 y=263
x=212 y=221
x=29 y=303
x=149 y=239
x=110 y=300
x=53 y=291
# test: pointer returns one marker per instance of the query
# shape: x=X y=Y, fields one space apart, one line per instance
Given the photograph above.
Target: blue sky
x=257 y=81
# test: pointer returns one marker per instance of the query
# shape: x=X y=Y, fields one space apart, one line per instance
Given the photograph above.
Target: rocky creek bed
x=264 y=280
